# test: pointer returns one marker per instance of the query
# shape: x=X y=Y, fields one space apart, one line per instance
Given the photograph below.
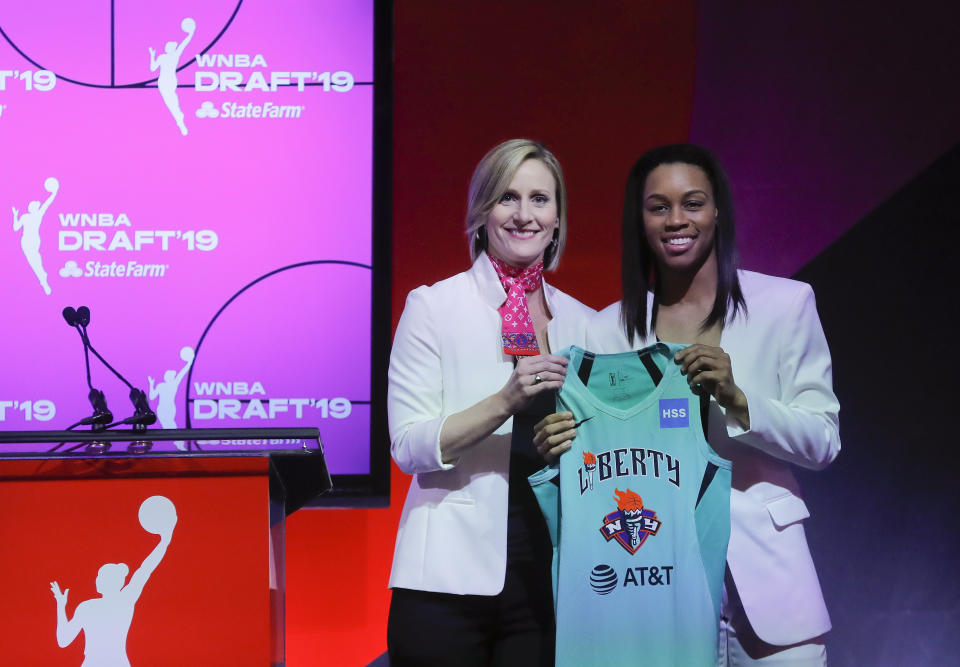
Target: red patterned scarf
x=519 y=336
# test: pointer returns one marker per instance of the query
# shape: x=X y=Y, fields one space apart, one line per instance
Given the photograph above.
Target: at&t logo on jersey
x=632 y=523
x=674 y=413
x=605 y=580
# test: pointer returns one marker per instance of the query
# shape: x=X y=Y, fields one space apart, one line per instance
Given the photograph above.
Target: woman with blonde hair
x=470 y=373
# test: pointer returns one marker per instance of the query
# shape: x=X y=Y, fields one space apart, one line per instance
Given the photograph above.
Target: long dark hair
x=637 y=266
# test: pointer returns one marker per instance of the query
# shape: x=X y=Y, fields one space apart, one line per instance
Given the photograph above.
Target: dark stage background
x=839 y=129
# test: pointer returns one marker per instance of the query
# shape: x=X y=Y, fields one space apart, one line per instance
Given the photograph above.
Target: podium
x=194 y=577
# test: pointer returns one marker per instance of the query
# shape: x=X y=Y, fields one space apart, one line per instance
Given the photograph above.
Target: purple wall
x=820 y=111
x=838 y=125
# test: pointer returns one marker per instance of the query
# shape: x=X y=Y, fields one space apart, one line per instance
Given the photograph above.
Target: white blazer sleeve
x=415 y=389
x=801 y=425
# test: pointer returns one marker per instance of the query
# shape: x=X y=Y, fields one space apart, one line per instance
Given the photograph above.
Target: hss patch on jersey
x=632 y=523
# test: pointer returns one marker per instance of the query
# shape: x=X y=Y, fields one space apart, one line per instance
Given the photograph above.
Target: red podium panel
x=205 y=590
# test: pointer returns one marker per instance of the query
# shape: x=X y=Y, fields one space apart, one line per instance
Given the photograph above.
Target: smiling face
x=522 y=222
x=679 y=217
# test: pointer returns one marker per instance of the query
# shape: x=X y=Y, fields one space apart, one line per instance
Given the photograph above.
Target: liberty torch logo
x=105 y=621
x=632 y=523
x=590 y=463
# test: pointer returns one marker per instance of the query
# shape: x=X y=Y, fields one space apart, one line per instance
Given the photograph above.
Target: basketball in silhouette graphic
x=158 y=515
x=188 y=25
x=186 y=353
x=51 y=184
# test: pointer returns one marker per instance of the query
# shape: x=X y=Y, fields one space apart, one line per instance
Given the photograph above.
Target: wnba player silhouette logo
x=105 y=621
x=167 y=63
x=166 y=392
x=30 y=223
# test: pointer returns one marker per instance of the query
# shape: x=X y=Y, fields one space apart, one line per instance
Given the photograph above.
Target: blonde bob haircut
x=489 y=183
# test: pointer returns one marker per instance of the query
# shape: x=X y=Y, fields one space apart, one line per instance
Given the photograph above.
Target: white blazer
x=780 y=360
x=447 y=356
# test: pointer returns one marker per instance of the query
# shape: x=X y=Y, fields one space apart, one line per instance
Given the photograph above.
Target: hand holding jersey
x=708 y=368
x=532 y=376
x=554 y=434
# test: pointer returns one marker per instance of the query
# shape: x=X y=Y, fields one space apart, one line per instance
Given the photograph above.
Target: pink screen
x=209 y=200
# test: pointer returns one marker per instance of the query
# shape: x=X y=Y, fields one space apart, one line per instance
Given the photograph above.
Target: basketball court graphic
x=108 y=40
x=105 y=620
x=156 y=231
x=243 y=390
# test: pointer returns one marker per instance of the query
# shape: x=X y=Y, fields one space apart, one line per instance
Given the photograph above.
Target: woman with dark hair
x=470 y=373
x=638 y=266
x=756 y=346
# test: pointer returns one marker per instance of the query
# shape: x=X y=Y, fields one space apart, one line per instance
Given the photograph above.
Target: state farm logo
x=267 y=110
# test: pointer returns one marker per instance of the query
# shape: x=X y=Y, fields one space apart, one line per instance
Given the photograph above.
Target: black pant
x=515 y=627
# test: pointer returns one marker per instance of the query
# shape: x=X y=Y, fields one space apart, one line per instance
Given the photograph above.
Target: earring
x=551 y=248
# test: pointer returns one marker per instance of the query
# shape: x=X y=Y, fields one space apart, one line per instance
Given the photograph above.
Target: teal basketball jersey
x=639 y=514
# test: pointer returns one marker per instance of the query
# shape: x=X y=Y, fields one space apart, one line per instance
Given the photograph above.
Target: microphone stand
x=101 y=414
x=142 y=416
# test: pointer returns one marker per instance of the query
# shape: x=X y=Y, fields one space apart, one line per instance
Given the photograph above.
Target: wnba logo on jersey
x=632 y=523
x=674 y=413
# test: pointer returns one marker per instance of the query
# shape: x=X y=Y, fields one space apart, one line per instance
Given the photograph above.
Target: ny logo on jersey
x=632 y=524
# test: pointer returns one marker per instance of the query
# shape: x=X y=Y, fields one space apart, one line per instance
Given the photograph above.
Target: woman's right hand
x=554 y=434
x=466 y=428
x=530 y=377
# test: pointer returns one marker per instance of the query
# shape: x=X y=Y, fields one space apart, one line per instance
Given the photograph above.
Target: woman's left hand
x=708 y=369
x=554 y=434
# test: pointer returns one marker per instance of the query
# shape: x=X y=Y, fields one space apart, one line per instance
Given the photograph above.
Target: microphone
x=70 y=315
x=101 y=414
x=142 y=416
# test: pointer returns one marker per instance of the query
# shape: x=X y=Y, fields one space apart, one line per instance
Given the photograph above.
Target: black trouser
x=515 y=627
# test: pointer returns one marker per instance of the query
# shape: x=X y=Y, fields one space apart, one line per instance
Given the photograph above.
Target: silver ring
x=537 y=379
